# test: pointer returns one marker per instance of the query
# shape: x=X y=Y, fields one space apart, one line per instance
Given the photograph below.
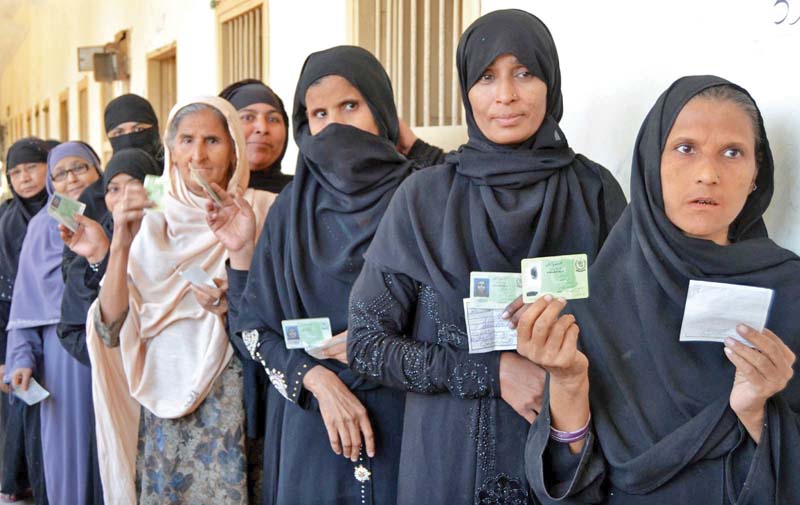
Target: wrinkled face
x=203 y=142
x=332 y=99
x=265 y=133
x=115 y=189
x=508 y=102
x=128 y=127
x=72 y=175
x=28 y=179
x=708 y=168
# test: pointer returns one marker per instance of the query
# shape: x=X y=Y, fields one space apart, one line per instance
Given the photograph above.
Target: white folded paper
x=714 y=309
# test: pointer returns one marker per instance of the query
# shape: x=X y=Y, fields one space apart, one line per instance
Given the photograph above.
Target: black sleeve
x=5 y=310
x=554 y=473
x=237 y=280
x=73 y=340
x=379 y=346
x=426 y=155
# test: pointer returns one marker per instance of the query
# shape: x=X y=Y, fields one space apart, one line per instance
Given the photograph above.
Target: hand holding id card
x=491 y=293
x=156 y=188
x=63 y=209
x=559 y=276
x=306 y=333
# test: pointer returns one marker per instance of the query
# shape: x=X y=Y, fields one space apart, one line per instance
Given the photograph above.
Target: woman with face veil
x=672 y=421
x=515 y=190
x=305 y=263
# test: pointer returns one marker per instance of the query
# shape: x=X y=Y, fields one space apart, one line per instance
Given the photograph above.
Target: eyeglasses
x=17 y=171
x=76 y=170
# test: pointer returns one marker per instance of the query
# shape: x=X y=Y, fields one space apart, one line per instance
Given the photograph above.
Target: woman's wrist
x=241 y=259
x=315 y=378
x=99 y=255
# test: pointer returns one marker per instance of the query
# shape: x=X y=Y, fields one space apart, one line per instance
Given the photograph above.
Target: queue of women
x=165 y=391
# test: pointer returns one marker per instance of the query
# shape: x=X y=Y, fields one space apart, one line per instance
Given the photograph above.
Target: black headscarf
x=77 y=298
x=132 y=107
x=132 y=161
x=311 y=249
x=489 y=206
x=660 y=405
x=79 y=294
x=17 y=212
x=248 y=92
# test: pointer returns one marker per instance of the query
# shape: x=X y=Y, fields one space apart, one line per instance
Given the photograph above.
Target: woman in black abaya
x=515 y=190
x=672 y=421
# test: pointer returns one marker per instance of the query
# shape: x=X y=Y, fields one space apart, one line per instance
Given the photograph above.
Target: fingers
x=66 y=233
x=513 y=307
x=222 y=284
x=333 y=435
x=346 y=428
x=545 y=321
x=369 y=435
x=529 y=317
x=225 y=197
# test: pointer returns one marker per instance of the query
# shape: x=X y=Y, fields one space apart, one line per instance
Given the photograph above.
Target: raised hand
x=761 y=372
x=128 y=214
x=234 y=225
x=89 y=240
x=550 y=340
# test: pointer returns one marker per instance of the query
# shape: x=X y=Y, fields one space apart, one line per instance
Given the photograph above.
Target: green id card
x=494 y=289
x=63 y=208
x=156 y=188
x=305 y=333
x=559 y=276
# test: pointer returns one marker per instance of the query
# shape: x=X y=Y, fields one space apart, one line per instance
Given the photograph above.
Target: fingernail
x=729 y=342
x=371 y=454
x=548 y=298
x=505 y=315
x=741 y=329
x=511 y=324
x=727 y=351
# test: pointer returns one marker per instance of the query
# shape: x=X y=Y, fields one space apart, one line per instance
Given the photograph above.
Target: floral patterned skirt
x=200 y=458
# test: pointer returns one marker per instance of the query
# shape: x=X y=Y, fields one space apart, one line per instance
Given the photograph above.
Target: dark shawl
x=132 y=107
x=248 y=92
x=17 y=212
x=81 y=286
x=327 y=217
x=489 y=206
x=660 y=406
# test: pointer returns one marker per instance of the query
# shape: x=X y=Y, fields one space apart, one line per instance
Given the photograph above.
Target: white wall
x=298 y=28
x=618 y=56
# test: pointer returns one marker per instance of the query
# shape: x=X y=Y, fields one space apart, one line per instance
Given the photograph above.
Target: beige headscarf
x=171 y=350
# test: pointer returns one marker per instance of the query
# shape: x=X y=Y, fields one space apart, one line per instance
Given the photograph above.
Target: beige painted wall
x=45 y=63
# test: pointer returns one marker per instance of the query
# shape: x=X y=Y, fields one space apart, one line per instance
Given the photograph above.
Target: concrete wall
x=618 y=56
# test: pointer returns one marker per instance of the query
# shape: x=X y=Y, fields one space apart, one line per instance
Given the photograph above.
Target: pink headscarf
x=171 y=349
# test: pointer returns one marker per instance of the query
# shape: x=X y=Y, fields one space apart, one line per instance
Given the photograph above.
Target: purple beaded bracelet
x=568 y=437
